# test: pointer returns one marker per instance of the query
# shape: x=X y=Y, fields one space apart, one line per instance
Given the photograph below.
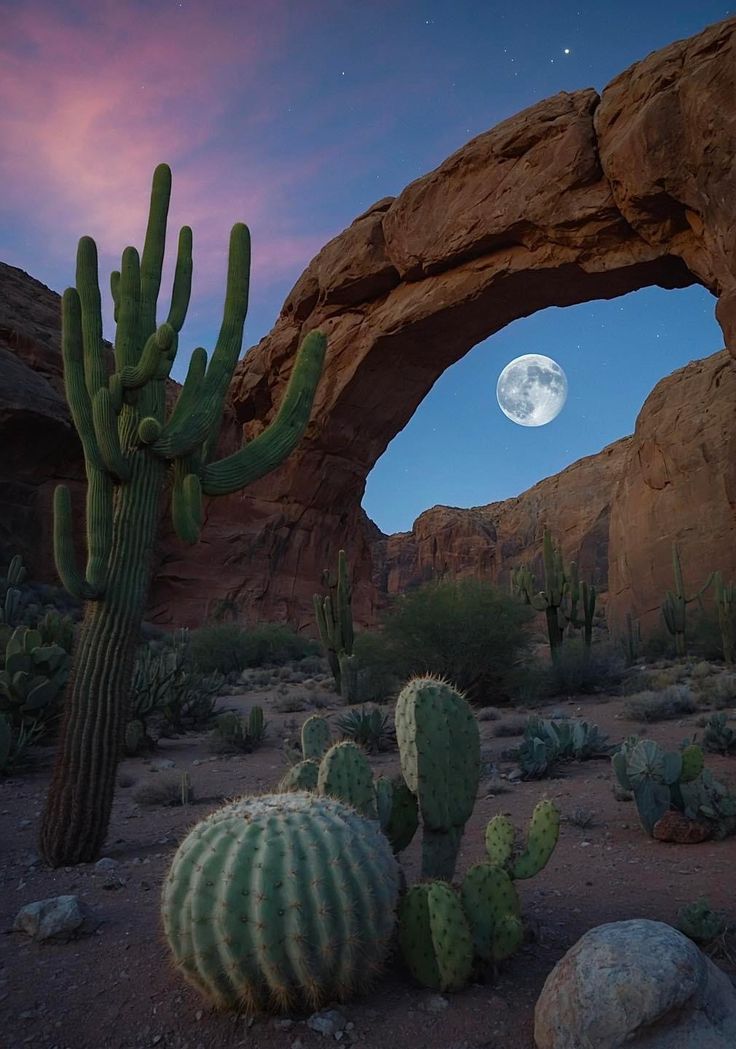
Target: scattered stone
x=283 y=1023
x=640 y=983
x=327 y=1023
x=433 y=1003
x=56 y=918
x=514 y=776
x=162 y=763
x=677 y=827
x=107 y=863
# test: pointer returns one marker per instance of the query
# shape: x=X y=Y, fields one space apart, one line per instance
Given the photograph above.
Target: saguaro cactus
x=726 y=605
x=129 y=446
x=335 y=621
x=550 y=600
x=674 y=609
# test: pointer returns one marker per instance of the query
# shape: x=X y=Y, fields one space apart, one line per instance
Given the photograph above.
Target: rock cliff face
x=578 y=197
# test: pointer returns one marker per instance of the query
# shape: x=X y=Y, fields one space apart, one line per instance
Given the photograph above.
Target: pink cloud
x=97 y=93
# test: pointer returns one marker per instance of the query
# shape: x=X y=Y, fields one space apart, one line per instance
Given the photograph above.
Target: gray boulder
x=58 y=918
x=639 y=984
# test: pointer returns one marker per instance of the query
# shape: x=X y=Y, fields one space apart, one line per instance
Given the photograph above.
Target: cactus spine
x=674 y=609
x=439 y=748
x=726 y=605
x=129 y=447
x=335 y=622
x=281 y=902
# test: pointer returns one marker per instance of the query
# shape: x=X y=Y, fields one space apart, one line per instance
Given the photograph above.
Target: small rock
x=677 y=827
x=434 y=1003
x=514 y=776
x=328 y=1022
x=162 y=763
x=107 y=863
x=283 y=1024
x=58 y=917
x=297 y=1044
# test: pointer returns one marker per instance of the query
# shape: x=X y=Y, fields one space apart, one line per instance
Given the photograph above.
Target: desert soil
x=115 y=987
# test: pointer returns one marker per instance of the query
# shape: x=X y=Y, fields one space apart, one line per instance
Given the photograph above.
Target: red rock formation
x=678 y=484
x=578 y=197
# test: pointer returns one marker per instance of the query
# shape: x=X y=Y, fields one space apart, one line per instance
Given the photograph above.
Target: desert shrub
x=311 y=665
x=701 y=923
x=719 y=691
x=165 y=788
x=464 y=630
x=674 y=702
x=378 y=667
x=579 y=671
x=276 y=644
x=218 y=646
x=291 y=704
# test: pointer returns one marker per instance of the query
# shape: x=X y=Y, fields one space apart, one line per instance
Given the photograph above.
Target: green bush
x=464 y=630
x=229 y=648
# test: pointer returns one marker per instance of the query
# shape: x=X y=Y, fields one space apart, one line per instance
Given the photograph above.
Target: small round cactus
x=281 y=902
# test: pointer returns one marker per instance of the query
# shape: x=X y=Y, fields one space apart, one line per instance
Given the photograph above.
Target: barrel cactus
x=281 y=902
x=439 y=747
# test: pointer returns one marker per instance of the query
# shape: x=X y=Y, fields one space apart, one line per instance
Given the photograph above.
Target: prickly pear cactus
x=344 y=773
x=439 y=747
x=315 y=738
x=693 y=762
x=302 y=776
x=281 y=902
x=435 y=937
x=397 y=811
x=544 y=830
x=542 y=835
x=491 y=905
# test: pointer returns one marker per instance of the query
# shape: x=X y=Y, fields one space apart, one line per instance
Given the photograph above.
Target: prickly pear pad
x=491 y=905
x=285 y=901
x=544 y=830
x=439 y=746
x=344 y=773
x=434 y=936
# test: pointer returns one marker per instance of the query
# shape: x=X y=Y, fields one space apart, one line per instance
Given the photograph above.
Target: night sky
x=294 y=116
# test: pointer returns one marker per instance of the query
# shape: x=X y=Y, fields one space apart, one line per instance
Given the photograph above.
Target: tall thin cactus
x=726 y=605
x=674 y=608
x=335 y=621
x=129 y=448
x=550 y=600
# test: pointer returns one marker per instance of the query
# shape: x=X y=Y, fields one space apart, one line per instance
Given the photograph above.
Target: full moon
x=532 y=390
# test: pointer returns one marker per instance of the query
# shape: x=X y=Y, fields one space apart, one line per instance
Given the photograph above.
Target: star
x=566 y=51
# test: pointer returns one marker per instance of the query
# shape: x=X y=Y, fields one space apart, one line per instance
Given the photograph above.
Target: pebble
x=328 y=1022
x=107 y=863
x=435 y=1003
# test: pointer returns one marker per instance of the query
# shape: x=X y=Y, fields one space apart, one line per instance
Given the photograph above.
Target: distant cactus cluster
x=559 y=600
x=662 y=780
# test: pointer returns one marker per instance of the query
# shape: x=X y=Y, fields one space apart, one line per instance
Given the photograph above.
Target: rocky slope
x=578 y=197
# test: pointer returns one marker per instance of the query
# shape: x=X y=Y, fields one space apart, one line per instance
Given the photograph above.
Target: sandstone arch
x=579 y=197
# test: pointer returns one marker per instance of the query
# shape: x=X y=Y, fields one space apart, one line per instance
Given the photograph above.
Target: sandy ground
x=115 y=987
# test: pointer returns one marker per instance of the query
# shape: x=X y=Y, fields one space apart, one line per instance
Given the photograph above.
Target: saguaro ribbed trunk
x=77 y=814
